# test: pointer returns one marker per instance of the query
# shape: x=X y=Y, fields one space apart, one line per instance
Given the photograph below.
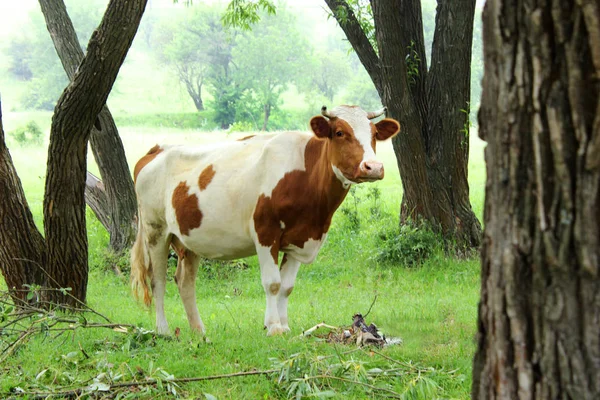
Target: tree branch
x=359 y=41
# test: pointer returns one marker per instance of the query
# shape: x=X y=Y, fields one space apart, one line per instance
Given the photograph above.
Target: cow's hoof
x=276 y=329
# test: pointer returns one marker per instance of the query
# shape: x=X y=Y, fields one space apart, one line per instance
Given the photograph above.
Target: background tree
x=325 y=73
x=540 y=114
x=183 y=45
x=430 y=103
x=268 y=59
x=65 y=261
x=113 y=200
x=23 y=249
x=31 y=59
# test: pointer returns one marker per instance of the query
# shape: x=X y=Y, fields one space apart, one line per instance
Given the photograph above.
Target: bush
x=28 y=135
x=241 y=126
x=410 y=245
x=199 y=120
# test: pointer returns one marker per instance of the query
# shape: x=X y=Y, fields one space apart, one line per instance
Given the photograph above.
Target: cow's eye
x=339 y=133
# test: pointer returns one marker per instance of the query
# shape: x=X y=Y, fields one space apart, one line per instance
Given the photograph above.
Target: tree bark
x=433 y=146
x=539 y=329
x=22 y=247
x=75 y=114
x=117 y=212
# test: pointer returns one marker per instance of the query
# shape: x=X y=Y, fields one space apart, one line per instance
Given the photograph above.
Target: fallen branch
x=372 y=304
x=151 y=381
x=310 y=331
x=391 y=393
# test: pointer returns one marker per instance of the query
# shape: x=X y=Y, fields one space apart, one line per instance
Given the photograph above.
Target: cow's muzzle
x=370 y=171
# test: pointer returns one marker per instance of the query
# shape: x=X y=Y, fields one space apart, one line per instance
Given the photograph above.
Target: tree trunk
x=267 y=109
x=22 y=246
x=433 y=146
x=96 y=199
x=75 y=114
x=539 y=316
x=120 y=207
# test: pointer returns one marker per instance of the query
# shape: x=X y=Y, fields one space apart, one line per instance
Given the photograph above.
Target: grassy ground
x=431 y=307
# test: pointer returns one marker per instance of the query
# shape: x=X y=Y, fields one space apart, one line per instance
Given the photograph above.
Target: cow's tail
x=141 y=265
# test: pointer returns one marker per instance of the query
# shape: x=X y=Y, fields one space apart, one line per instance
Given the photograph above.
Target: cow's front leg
x=289 y=269
x=271 y=281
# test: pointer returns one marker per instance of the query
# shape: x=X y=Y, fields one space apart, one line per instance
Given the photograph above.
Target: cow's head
x=352 y=138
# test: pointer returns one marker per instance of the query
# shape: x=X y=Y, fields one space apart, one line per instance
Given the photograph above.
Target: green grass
x=432 y=307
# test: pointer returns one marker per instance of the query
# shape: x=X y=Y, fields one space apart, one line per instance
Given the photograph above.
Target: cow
x=264 y=195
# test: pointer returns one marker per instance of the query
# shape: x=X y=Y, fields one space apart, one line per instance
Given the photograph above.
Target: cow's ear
x=320 y=126
x=386 y=128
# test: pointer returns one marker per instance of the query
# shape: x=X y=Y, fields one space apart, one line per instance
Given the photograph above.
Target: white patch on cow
x=357 y=119
x=270 y=278
x=340 y=175
x=308 y=252
x=282 y=225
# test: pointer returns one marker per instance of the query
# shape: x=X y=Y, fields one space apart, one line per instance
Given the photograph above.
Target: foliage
x=353 y=212
x=326 y=72
x=311 y=375
x=32 y=56
x=200 y=120
x=28 y=135
x=361 y=91
x=412 y=64
x=364 y=15
x=244 y=13
x=187 y=45
x=268 y=59
x=242 y=126
x=409 y=245
x=466 y=125
x=18 y=51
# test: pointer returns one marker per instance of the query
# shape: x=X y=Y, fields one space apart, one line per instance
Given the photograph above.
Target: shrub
x=241 y=126
x=202 y=120
x=410 y=245
x=27 y=135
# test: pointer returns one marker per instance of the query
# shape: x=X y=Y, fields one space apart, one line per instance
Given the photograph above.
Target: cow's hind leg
x=289 y=269
x=187 y=268
x=158 y=258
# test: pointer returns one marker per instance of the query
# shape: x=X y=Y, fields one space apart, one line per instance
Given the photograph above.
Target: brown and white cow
x=264 y=195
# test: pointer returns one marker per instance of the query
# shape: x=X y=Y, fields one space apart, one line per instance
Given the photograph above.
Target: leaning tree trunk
x=433 y=146
x=539 y=316
x=114 y=205
x=21 y=244
x=75 y=114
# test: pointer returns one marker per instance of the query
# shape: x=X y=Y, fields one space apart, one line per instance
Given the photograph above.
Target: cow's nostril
x=367 y=167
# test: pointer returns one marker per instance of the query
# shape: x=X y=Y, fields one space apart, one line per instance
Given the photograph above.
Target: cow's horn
x=378 y=113
x=325 y=113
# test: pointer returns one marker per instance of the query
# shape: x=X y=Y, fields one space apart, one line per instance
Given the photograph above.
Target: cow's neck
x=321 y=175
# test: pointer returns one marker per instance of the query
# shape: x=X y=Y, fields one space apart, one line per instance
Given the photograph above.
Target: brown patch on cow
x=387 y=128
x=145 y=160
x=373 y=137
x=155 y=232
x=289 y=291
x=346 y=152
x=303 y=200
x=206 y=177
x=186 y=208
x=246 y=138
x=274 y=288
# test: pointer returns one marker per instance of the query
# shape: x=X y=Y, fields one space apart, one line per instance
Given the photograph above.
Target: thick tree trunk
x=119 y=208
x=539 y=316
x=22 y=247
x=75 y=114
x=433 y=146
